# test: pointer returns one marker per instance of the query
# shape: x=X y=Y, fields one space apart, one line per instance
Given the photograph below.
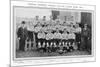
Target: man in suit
x=22 y=35
x=86 y=34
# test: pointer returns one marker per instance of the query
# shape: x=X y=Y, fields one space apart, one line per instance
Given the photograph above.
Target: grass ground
x=32 y=53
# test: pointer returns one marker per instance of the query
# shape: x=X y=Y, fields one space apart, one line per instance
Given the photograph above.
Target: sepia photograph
x=45 y=32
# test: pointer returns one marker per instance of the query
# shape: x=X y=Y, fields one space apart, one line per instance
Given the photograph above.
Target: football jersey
x=49 y=36
x=71 y=36
x=65 y=36
x=41 y=35
x=78 y=29
x=57 y=35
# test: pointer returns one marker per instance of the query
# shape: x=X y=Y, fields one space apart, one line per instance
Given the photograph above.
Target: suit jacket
x=22 y=33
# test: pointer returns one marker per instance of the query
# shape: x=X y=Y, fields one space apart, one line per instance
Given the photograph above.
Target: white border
x=53 y=60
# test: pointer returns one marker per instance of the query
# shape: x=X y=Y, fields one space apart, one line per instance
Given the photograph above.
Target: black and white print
x=43 y=32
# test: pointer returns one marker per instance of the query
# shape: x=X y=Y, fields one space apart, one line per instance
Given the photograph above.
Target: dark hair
x=44 y=16
x=23 y=22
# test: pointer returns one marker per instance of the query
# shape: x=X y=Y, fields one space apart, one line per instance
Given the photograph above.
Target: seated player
x=70 y=46
x=54 y=47
x=57 y=36
x=39 y=46
x=43 y=48
x=41 y=36
x=60 y=48
x=65 y=46
x=47 y=47
x=71 y=37
x=51 y=47
x=65 y=35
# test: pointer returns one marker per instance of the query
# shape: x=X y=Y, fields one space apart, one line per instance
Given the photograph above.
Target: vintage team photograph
x=47 y=32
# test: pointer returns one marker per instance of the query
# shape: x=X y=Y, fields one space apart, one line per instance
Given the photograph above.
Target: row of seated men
x=56 y=46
